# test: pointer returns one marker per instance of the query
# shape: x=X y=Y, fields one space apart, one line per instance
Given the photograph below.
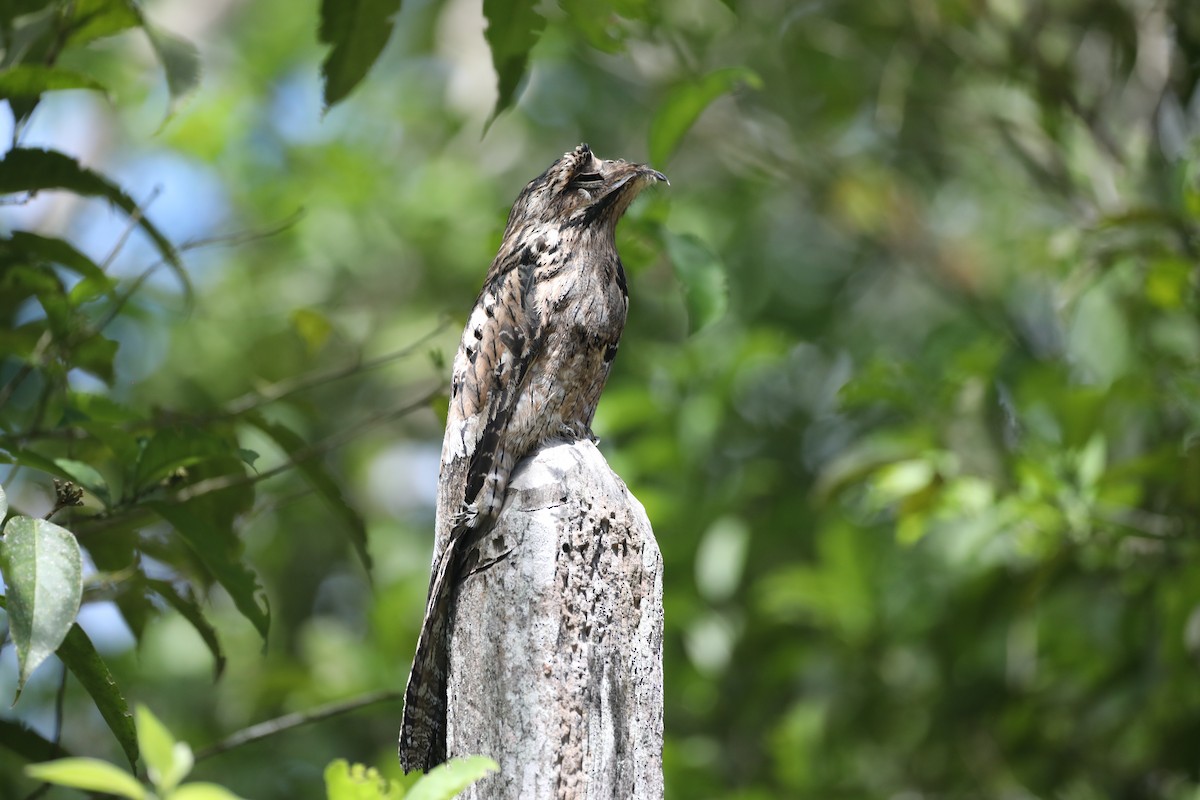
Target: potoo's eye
x=587 y=178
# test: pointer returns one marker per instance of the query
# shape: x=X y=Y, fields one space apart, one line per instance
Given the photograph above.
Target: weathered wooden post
x=556 y=652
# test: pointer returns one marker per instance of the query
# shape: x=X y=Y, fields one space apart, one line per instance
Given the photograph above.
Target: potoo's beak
x=658 y=176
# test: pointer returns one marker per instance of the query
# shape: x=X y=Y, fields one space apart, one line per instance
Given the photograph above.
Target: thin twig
x=121 y=513
x=135 y=218
x=289 y=386
x=243 y=237
x=278 y=725
x=331 y=442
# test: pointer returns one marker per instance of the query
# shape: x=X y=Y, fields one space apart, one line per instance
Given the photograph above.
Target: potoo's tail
x=423 y=730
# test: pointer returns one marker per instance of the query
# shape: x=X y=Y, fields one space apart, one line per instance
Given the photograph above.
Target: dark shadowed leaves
x=32 y=170
x=184 y=601
x=28 y=743
x=513 y=28
x=206 y=524
x=80 y=656
x=357 y=31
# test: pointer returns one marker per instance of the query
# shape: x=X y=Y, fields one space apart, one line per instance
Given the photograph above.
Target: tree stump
x=556 y=650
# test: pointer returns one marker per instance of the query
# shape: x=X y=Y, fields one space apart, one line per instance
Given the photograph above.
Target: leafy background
x=909 y=388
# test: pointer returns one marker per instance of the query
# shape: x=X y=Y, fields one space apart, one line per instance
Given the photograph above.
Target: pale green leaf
x=43 y=572
x=202 y=791
x=88 y=774
x=345 y=781
x=446 y=781
x=167 y=761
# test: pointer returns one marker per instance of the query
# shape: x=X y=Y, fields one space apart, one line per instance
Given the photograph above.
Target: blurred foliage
x=909 y=388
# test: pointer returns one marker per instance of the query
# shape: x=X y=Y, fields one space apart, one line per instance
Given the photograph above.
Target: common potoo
x=530 y=367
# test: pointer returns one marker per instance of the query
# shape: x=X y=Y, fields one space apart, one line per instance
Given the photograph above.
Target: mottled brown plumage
x=530 y=368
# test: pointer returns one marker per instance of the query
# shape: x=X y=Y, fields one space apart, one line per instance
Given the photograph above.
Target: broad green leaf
x=30 y=170
x=513 y=28
x=30 y=81
x=357 y=31
x=180 y=61
x=702 y=276
x=205 y=523
x=344 y=781
x=201 y=790
x=172 y=448
x=95 y=354
x=315 y=473
x=80 y=656
x=86 y=476
x=446 y=781
x=95 y=19
x=89 y=774
x=186 y=604
x=43 y=573
x=28 y=743
x=685 y=105
x=167 y=761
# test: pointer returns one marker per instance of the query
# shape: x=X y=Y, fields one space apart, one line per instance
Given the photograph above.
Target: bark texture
x=556 y=650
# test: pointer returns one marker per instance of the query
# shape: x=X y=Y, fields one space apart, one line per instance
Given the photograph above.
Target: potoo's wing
x=502 y=337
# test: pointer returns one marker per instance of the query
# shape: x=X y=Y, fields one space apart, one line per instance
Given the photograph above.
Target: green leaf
x=180 y=61
x=29 y=248
x=95 y=19
x=513 y=29
x=95 y=354
x=315 y=473
x=446 y=781
x=80 y=656
x=167 y=761
x=205 y=523
x=684 y=105
x=28 y=743
x=186 y=604
x=201 y=790
x=30 y=170
x=172 y=448
x=357 y=30
x=89 y=774
x=702 y=276
x=43 y=573
x=86 y=476
x=344 y=781
x=30 y=81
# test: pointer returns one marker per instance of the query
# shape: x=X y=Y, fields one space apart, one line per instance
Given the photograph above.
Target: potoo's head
x=580 y=189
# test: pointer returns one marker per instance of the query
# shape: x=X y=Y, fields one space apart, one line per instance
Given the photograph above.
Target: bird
x=533 y=359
